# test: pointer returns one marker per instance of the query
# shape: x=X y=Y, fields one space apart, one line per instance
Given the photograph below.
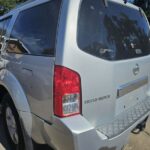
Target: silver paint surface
x=29 y=81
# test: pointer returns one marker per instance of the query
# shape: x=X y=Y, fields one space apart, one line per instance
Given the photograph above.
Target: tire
x=12 y=124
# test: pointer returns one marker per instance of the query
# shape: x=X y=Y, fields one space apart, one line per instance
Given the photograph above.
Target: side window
x=34 y=32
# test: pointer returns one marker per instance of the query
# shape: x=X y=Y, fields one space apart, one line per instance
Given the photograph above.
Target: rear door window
x=115 y=32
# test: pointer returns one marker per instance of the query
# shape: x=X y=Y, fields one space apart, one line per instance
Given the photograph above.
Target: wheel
x=12 y=124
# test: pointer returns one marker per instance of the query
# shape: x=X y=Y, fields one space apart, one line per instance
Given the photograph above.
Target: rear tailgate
x=113 y=88
x=117 y=79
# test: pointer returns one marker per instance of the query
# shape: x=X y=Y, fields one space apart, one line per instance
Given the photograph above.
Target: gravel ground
x=136 y=142
x=141 y=141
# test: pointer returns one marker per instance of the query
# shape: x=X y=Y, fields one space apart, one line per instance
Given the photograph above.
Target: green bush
x=6 y=5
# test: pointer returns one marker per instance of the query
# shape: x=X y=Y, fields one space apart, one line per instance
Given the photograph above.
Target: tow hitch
x=140 y=127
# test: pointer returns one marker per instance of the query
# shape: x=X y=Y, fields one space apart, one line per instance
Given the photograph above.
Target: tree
x=6 y=5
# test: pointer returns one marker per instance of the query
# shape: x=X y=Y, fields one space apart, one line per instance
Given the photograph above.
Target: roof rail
x=24 y=3
x=20 y=5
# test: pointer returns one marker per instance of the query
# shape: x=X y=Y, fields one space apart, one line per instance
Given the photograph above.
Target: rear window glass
x=115 y=32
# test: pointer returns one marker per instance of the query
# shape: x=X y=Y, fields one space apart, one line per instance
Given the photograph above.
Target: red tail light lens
x=67 y=92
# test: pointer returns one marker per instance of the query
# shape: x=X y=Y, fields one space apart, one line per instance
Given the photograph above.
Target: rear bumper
x=76 y=133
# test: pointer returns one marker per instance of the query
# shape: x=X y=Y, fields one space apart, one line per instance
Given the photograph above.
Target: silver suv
x=74 y=74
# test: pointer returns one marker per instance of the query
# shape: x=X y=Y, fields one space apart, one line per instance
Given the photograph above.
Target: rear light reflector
x=67 y=92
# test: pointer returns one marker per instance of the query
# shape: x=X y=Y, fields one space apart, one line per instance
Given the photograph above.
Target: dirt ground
x=141 y=141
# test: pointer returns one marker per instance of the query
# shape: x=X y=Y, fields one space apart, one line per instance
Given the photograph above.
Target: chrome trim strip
x=132 y=86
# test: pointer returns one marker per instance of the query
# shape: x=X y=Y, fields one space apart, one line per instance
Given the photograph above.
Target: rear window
x=115 y=32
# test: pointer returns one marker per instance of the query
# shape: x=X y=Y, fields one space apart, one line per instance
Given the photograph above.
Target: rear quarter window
x=34 y=32
x=115 y=32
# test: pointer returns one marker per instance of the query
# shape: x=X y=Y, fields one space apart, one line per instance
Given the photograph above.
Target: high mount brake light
x=67 y=92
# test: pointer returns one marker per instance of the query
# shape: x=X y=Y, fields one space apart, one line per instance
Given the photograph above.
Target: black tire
x=8 y=104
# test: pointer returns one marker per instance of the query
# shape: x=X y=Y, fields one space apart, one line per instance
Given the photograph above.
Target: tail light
x=67 y=92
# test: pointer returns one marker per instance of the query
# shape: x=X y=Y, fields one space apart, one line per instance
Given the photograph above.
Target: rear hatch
x=115 y=43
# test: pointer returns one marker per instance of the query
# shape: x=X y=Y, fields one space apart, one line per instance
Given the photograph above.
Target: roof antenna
x=125 y=1
x=106 y=3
